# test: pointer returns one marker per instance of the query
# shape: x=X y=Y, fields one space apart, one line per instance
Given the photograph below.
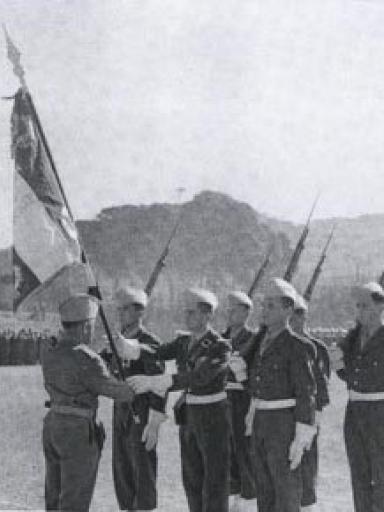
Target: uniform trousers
x=134 y=468
x=205 y=453
x=242 y=473
x=310 y=470
x=364 y=440
x=71 y=462
x=279 y=489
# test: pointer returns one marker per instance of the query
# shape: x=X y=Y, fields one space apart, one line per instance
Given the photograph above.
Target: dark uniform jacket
x=240 y=344
x=75 y=375
x=284 y=370
x=363 y=368
x=201 y=364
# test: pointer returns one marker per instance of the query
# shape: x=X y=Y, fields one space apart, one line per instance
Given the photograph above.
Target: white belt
x=234 y=386
x=262 y=405
x=205 y=399
x=355 y=396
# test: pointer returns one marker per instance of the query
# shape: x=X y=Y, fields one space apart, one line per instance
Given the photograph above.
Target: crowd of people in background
x=21 y=346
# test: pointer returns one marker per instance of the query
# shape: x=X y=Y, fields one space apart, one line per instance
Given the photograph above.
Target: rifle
x=381 y=280
x=259 y=274
x=160 y=263
x=294 y=262
x=316 y=273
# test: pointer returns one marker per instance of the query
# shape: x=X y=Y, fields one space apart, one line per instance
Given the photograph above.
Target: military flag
x=45 y=237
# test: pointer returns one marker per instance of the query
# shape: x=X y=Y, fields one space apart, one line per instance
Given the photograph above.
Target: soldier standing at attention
x=282 y=409
x=361 y=366
x=136 y=429
x=74 y=377
x=242 y=483
x=201 y=357
x=321 y=370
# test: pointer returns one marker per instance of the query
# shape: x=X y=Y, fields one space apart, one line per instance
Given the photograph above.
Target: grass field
x=22 y=463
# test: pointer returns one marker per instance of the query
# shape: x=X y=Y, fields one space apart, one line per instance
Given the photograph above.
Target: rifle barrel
x=160 y=263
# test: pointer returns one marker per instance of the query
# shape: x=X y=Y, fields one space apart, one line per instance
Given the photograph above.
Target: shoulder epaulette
x=146 y=334
x=85 y=349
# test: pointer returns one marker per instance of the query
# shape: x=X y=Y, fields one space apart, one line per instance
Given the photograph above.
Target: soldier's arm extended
x=212 y=363
x=132 y=349
x=95 y=376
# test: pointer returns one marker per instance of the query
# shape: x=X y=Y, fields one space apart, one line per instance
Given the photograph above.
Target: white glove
x=151 y=430
x=249 y=418
x=238 y=367
x=158 y=384
x=127 y=348
x=303 y=439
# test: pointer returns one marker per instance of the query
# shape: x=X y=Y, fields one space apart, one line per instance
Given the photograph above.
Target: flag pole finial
x=14 y=57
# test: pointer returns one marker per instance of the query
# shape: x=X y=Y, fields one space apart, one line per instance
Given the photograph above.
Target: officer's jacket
x=322 y=372
x=284 y=370
x=75 y=375
x=363 y=368
x=201 y=364
x=240 y=344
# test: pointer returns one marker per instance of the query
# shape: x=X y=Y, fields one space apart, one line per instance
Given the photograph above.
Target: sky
x=269 y=101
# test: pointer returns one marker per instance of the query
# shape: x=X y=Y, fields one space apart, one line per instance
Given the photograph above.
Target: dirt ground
x=22 y=463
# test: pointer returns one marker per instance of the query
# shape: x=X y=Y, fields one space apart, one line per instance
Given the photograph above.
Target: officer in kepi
x=201 y=357
x=74 y=376
x=136 y=429
x=242 y=484
x=281 y=414
x=360 y=363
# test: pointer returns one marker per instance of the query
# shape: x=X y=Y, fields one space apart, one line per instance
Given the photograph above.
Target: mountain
x=220 y=244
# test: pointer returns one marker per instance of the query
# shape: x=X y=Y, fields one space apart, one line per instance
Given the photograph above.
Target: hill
x=356 y=253
x=220 y=244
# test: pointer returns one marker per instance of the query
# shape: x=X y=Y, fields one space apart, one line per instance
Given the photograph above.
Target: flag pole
x=14 y=56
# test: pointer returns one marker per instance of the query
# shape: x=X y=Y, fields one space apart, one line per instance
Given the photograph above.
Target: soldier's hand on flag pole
x=127 y=348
